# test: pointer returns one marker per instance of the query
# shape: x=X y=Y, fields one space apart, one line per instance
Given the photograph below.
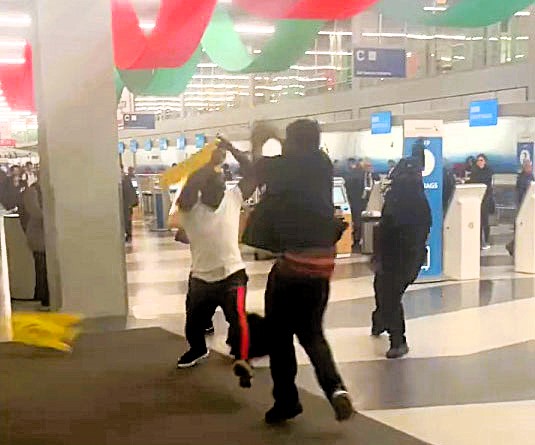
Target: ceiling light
x=245 y=28
x=312 y=67
x=147 y=25
x=459 y=57
x=329 y=53
x=335 y=33
x=15 y=21
x=12 y=61
x=520 y=56
x=217 y=85
x=12 y=43
x=435 y=8
x=257 y=51
x=220 y=76
x=206 y=65
x=522 y=38
x=522 y=14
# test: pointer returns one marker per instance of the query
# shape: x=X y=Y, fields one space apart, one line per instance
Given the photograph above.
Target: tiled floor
x=470 y=375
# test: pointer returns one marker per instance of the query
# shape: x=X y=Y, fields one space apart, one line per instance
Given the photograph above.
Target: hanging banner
x=163 y=143
x=177 y=32
x=133 y=146
x=305 y=9
x=148 y=145
x=430 y=133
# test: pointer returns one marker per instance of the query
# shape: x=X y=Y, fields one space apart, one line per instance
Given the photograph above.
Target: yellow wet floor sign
x=45 y=330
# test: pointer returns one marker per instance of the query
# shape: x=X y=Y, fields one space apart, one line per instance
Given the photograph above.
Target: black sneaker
x=377 y=331
x=342 y=405
x=398 y=351
x=209 y=331
x=244 y=371
x=279 y=415
x=191 y=358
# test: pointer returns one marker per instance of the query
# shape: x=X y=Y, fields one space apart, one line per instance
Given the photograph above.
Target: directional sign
x=139 y=121
x=484 y=113
x=382 y=122
x=380 y=62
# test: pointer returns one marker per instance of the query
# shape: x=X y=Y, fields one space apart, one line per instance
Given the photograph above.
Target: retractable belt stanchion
x=462 y=233
x=525 y=234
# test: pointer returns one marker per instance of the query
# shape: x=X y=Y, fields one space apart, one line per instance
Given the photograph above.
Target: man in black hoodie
x=295 y=220
x=400 y=250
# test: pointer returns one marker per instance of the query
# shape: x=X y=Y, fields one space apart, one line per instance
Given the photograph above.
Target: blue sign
x=133 y=145
x=120 y=147
x=200 y=140
x=139 y=121
x=148 y=145
x=181 y=142
x=163 y=143
x=524 y=152
x=433 y=183
x=484 y=113
x=382 y=122
x=380 y=62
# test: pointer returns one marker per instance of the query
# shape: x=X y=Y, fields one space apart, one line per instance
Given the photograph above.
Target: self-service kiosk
x=343 y=211
x=462 y=233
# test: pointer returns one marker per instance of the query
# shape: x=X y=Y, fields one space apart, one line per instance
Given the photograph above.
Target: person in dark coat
x=523 y=182
x=354 y=182
x=130 y=200
x=482 y=174
x=400 y=251
x=295 y=219
x=35 y=233
x=448 y=187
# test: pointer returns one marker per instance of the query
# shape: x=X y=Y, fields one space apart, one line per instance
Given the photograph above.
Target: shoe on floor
x=209 y=331
x=244 y=371
x=191 y=358
x=485 y=246
x=279 y=415
x=398 y=351
x=342 y=405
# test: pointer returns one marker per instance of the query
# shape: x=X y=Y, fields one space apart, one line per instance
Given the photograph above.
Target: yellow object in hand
x=46 y=330
x=185 y=169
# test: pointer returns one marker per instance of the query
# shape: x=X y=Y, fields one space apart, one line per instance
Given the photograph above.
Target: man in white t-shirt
x=210 y=217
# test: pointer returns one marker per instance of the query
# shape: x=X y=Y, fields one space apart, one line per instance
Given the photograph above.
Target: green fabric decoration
x=463 y=14
x=119 y=86
x=162 y=81
x=225 y=48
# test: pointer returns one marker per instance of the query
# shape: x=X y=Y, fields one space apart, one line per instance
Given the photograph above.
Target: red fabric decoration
x=17 y=83
x=177 y=34
x=305 y=9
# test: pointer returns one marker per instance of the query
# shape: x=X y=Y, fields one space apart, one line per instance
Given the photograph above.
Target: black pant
x=402 y=254
x=295 y=305
x=485 y=225
x=356 y=210
x=41 y=292
x=128 y=215
x=201 y=303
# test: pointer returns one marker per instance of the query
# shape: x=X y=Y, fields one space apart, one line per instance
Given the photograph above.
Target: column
x=79 y=161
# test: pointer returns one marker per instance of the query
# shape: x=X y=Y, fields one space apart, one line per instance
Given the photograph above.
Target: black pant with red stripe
x=295 y=305
x=201 y=303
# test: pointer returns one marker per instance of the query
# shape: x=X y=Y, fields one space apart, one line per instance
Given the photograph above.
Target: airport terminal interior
x=114 y=112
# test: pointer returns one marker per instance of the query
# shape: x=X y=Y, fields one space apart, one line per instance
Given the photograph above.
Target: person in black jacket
x=482 y=174
x=354 y=182
x=130 y=200
x=400 y=251
x=523 y=182
x=296 y=220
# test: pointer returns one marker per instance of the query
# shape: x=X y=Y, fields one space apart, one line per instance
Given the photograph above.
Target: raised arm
x=248 y=183
x=190 y=193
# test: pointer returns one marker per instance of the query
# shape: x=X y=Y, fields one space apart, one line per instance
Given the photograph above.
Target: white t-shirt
x=214 y=237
